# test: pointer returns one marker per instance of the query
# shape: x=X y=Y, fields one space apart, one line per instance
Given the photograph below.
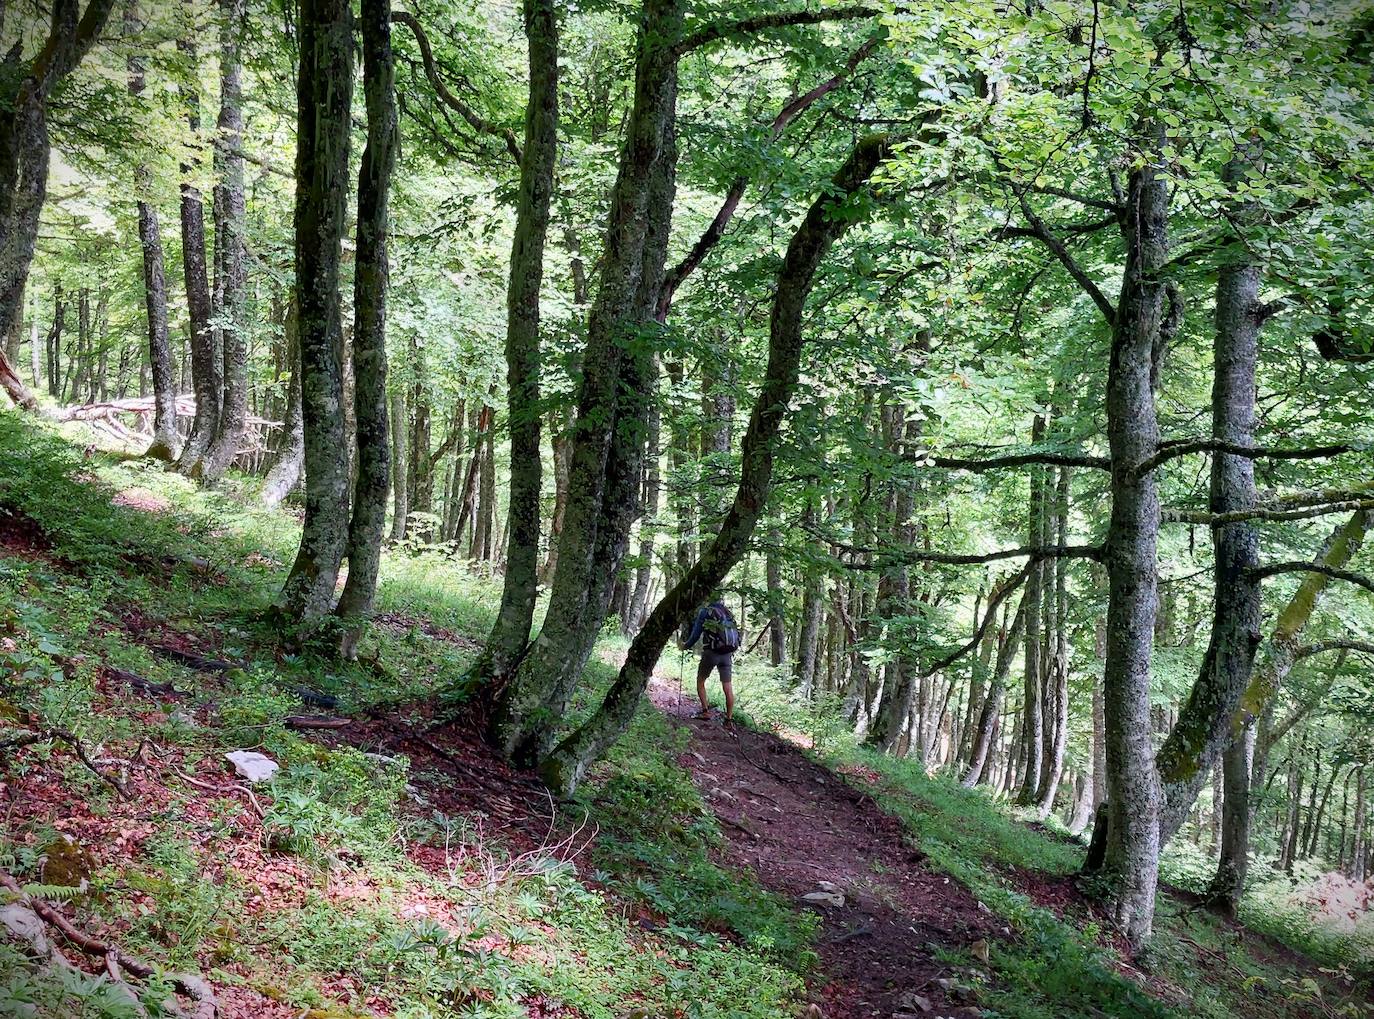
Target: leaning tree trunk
x=24 y=155
x=564 y=768
x=1130 y=554
x=205 y=360
x=324 y=98
x=230 y=253
x=284 y=474
x=992 y=702
x=368 y=520
x=608 y=436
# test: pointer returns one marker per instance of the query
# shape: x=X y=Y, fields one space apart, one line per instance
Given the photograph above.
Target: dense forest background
x=1009 y=368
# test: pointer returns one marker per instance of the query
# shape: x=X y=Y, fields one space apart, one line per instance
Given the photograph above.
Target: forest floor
x=395 y=868
x=804 y=831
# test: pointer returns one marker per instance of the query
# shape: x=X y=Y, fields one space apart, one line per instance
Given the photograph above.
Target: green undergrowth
x=1062 y=963
x=354 y=892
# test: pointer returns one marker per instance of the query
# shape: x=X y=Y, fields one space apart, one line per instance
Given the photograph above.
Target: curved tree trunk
x=608 y=434
x=24 y=156
x=324 y=97
x=564 y=768
x=370 y=491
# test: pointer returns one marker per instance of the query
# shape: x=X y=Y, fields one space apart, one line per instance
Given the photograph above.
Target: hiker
x=720 y=639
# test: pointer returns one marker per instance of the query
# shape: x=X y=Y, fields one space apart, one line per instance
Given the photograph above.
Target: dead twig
x=191 y=986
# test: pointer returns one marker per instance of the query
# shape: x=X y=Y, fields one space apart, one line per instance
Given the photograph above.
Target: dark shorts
x=711 y=660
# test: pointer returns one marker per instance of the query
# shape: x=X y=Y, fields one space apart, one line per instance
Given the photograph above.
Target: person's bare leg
x=702 y=673
x=727 y=674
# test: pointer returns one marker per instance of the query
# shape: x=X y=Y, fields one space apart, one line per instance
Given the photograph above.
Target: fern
x=61 y=894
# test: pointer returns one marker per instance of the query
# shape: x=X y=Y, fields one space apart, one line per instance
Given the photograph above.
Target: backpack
x=719 y=632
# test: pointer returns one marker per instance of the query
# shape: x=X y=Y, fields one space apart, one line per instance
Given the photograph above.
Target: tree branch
x=1008 y=232
x=989 y=615
x=476 y=122
x=1274 y=569
x=1011 y=460
x=1034 y=552
x=1183 y=516
x=1176 y=448
x=1308 y=650
x=715 y=230
x=1056 y=246
x=763 y=22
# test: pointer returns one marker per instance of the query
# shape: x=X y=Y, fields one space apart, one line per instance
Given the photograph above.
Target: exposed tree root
x=189 y=985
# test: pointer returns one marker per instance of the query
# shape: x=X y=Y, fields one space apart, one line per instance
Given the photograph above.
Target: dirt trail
x=797 y=825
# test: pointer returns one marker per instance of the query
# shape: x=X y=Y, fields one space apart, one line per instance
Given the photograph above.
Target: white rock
x=253 y=766
x=829 y=886
x=835 y=899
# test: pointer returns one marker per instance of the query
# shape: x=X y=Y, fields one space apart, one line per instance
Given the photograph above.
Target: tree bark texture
x=206 y=379
x=324 y=98
x=511 y=632
x=25 y=87
x=370 y=280
x=564 y=768
x=230 y=252
x=1133 y=791
x=609 y=431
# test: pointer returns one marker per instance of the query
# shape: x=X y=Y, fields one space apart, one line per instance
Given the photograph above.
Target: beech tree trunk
x=511 y=632
x=1056 y=740
x=324 y=99
x=565 y=766
x=286 y=471
x=400 y=430
x=610 y=428
x=648 y=525
x=25 y=87
x=206 y=380
x=1133 y=790
x=1032 y=724
x=370 y=280
x=230 y=252
x=1007 y=642
x=1243 y=762
x=1205 y=721
x=777 y=626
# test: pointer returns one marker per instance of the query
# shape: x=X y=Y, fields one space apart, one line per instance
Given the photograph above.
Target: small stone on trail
x=829 y=886
x=824 y=898
x=912 y=1003
x=253 y=766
